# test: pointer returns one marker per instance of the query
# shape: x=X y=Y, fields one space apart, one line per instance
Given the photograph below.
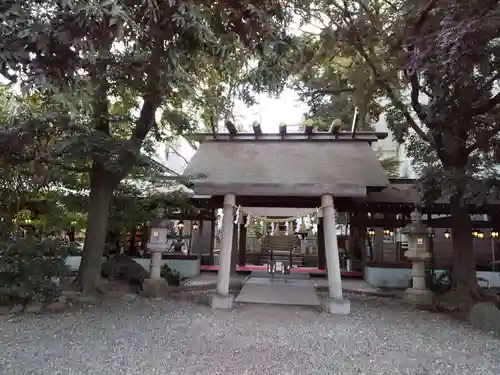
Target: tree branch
x=100 y=100
x=152 y=99
x=179 y=154
x=415 y=102
x=393 y=97
x=391 y=5
x=490 y=104
x=422 y=15
x=331 y=91
x=358 y=44
x=52 y=160
x=68 y=168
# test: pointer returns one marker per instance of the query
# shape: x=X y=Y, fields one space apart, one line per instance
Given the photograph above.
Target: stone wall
x=188 y=267
x=399 y=278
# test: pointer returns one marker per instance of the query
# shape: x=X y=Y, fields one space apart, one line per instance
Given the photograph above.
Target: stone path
x=151 y=337
x=210 y=278
x=280 y=290
x=348 y=284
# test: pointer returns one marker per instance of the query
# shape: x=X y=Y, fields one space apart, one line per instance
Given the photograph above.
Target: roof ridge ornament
x=307 y=135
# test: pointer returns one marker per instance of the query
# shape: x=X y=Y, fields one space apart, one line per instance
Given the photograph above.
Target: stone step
x=280 y=243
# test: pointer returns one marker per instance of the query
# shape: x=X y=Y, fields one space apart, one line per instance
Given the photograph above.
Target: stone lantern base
x=418 y=297
x=153 y=288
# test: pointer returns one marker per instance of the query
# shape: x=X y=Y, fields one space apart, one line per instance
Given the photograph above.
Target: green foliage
x=444 y=113
x=437 y=64
x=27 y=187
x=112 y=78
x=390 y=164
x=132 y=207
x=123 y=70
x=173 y=277
x=336 y=79
x=255 y=227
x=457 y=145
x=28 y=267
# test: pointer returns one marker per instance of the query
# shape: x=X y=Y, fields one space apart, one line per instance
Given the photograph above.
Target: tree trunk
x=101 y=193
x=464 y=262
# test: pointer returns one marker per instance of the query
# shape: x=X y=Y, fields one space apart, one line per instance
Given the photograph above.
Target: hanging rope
x=237 y=219
x=312 y=216
x=249 y=220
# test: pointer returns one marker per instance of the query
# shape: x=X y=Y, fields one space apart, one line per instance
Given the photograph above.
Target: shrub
x=30 y=268
x=172 y=276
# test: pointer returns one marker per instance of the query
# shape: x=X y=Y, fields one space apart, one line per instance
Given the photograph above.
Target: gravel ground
x=180 y=337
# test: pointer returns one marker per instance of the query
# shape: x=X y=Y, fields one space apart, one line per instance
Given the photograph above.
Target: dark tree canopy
x=453 y=69
x=116 y=76
x=432 y=67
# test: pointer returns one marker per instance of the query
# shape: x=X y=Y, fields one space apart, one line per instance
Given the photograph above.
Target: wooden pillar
x=242 y=258
x=321 y=245
x=363 y=229
x=352 y=241
x=432 y=260
x=234 y=249
x=212 y=241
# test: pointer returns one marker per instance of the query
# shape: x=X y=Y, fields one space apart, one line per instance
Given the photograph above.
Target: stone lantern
x=418 y=245
x=303 y=232
x=156 y=285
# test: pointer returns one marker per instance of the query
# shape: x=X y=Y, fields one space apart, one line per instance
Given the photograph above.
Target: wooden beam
x=257 y=130
x=282 y=130
x=321 y=245
x=234 y=250
x=274 y=189
x=404 y=207
x=242 y=251
x=308 y=130
x=399 y=223
x=212 y=241
x=342 y=205
x=190 y=217
x=231 y=128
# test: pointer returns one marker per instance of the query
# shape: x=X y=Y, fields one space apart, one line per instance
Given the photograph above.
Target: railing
x=272 y=268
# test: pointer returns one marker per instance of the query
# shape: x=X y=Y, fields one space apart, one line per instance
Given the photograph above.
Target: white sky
x=270 y=112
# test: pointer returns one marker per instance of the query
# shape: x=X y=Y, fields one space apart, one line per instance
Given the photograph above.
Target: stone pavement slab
x=267 y=275
x=278 y=291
